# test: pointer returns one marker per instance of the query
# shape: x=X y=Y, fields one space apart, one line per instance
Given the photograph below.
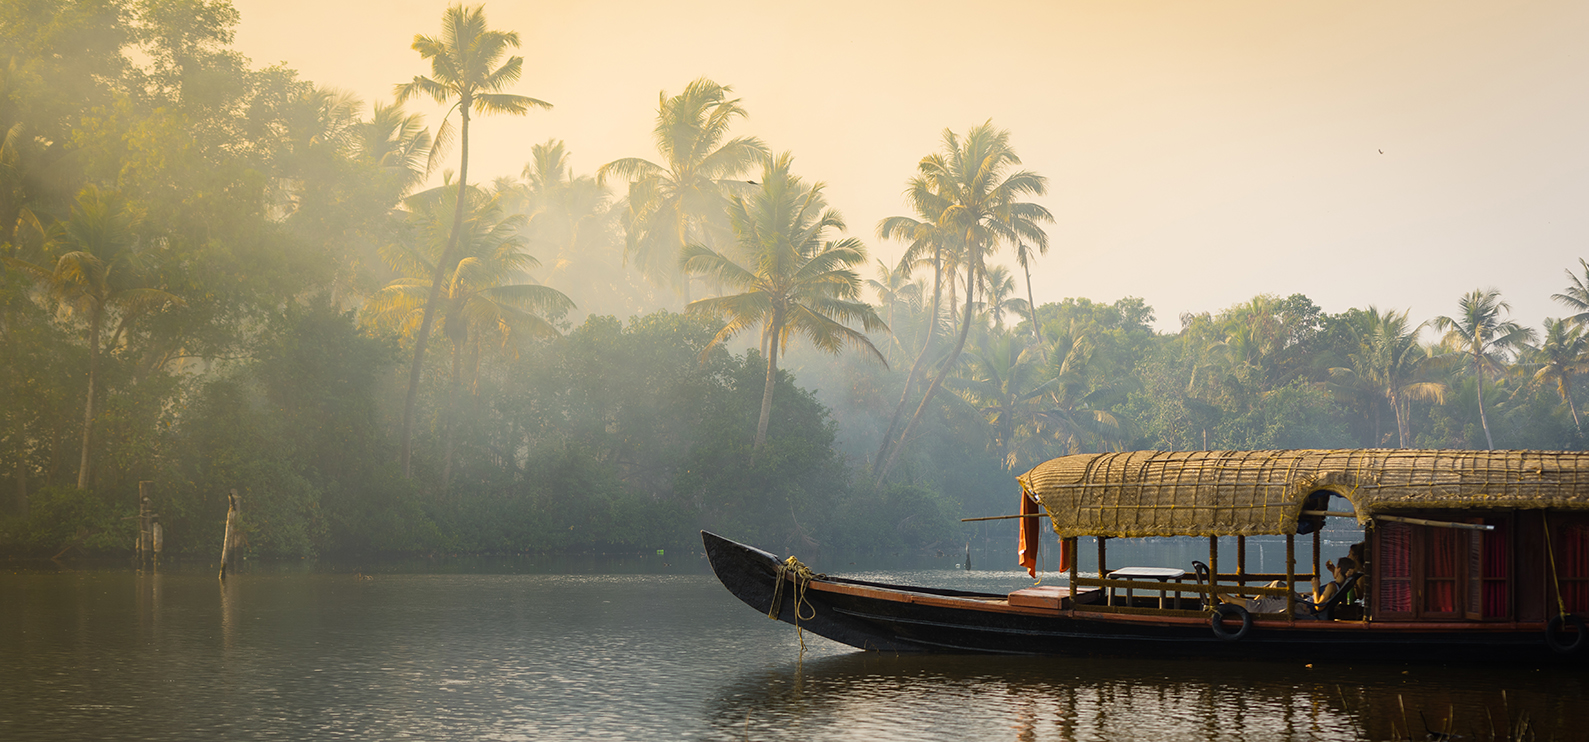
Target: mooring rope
x=1561 y=605
x=802 y=576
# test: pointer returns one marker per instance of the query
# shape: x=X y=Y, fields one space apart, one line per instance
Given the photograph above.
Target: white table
x=1162 y=574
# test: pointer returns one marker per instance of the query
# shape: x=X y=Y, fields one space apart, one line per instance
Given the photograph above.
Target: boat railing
x=1225 y=584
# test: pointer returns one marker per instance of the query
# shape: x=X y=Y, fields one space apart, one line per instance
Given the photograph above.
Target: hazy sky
x=1198 y=153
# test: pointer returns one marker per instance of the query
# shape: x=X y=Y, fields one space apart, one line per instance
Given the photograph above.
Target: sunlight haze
x=1197 y=154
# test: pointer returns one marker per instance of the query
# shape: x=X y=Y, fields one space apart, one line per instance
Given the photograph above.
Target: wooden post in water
x=232 y=504
x=145 y=550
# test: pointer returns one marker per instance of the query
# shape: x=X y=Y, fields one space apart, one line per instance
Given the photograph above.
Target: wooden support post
x=1291 y=576
x=1068 y=547
x=1102 y=570
x=232 y=505
x=1241 y=558
x=1317 y=575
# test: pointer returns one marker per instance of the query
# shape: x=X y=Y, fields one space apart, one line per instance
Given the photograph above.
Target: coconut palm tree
x=1004 y=382
x=795 y=280
x=98 y=276
x=483 y=295
x=682 y=200
x=997 y=285
x=1389 y=363
x=926 y=245
x=465 y=72
x=1479 y=333
x=894 y=287
x=1576 y=297
x=398 y=144
x=1024 y=257
x=1563 y=354
x=973 y=178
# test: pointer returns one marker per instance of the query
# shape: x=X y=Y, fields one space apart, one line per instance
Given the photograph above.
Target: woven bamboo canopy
x=1250 y=493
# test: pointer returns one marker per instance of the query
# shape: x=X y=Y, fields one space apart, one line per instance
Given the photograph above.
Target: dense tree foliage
x=218 y=277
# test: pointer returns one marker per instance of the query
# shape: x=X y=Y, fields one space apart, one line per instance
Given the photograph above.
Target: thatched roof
x=1248 y=493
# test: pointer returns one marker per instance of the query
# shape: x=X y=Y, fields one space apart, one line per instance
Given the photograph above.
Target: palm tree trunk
x=915 y=369
x=1037 y=327
x=452 y=411
x=943 y=371
x=429 y=317
x=772 y=379
x=94 y=324
x=1483 y=421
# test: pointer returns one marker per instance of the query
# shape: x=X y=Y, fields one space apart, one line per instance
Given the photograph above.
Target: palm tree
x=1479 y=333
x=982 y=209
x=1562 y=356
x=997 y=285
x=97 y=277
x=924 y=237
x=464 y=69
x=679 y=202
x=397 y=144
x=1074 y=415
x=480 y=297
x=1388 y=363
x=1003 y=382
x=794 y=279
x=573 y=225
x=1024 y=258
x=894 y=287
x=1577 y=295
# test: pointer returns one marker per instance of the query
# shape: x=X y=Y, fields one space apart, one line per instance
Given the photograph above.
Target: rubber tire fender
x=1557 y=640
x=1217 y=621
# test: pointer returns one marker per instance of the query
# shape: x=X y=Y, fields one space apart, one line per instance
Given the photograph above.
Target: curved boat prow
x=749 y=573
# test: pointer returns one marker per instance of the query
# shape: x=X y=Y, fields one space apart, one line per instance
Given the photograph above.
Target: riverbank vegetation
x=217 y=277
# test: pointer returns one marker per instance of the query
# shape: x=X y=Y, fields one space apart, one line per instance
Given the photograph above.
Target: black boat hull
x=896 y=618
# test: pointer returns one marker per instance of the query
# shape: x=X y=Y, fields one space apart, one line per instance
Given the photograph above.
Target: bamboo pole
x=1003 y=517
x=1436 y=523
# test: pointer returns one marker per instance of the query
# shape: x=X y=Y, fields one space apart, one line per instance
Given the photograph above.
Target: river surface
x=650 y=649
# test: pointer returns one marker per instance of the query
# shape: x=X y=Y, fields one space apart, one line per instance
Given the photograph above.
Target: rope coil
x=792 y=569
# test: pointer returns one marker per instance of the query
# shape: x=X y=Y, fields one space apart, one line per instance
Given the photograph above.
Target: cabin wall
x=1428 y=573
x=1532 y=580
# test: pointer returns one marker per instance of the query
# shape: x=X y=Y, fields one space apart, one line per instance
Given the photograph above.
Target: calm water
x=635 y=650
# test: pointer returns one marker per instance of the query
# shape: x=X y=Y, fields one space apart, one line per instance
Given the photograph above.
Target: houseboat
x=1467 y=556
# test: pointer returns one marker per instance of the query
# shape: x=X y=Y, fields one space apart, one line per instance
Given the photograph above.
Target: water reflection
x=641 y=656
x=880 y=697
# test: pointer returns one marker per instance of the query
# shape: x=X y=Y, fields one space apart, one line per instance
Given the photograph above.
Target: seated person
x=1302 y=605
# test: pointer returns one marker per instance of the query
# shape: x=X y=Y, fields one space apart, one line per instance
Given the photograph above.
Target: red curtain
x=1497 y=570
x=1573 y=567
x=1440 y=570
x=1395 y=568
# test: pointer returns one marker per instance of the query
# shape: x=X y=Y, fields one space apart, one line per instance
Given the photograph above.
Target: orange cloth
x=1030 y=540
x=1029 y=537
